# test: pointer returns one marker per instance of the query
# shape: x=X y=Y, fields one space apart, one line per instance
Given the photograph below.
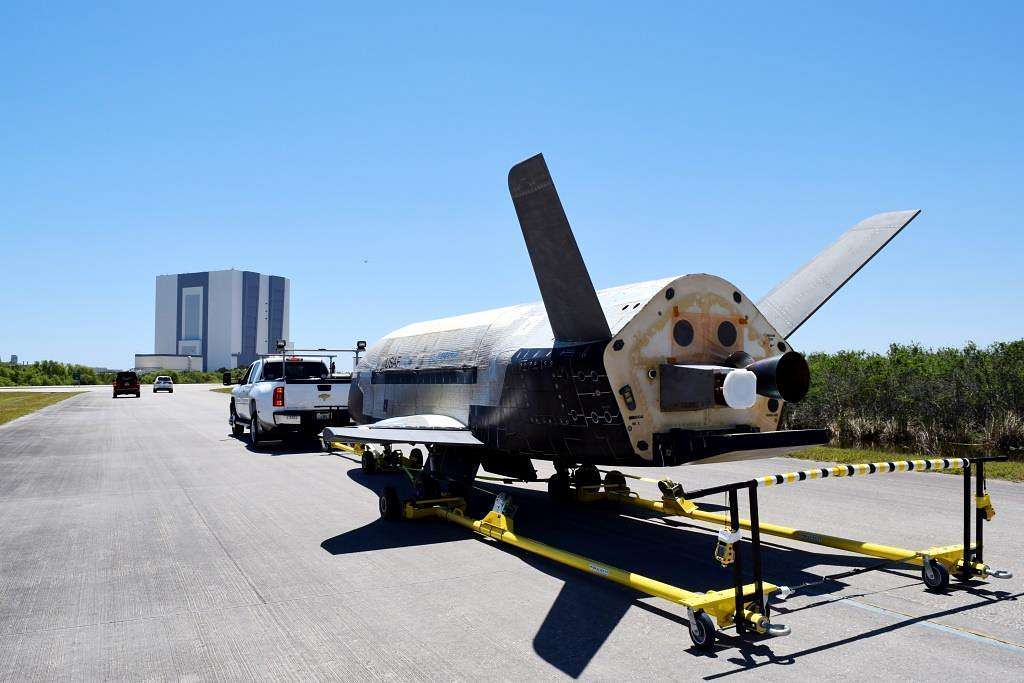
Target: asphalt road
x=139 y=540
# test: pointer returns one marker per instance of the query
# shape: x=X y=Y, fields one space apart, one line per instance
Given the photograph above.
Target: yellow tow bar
x=720 y=604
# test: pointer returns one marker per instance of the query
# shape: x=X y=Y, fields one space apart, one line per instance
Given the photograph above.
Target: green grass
x=223 y=390
x=14 y=404
x=1012 y=470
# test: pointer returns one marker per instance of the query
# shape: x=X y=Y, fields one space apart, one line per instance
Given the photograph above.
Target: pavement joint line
x=222 y=546
x=265 y=603
x=958 y=631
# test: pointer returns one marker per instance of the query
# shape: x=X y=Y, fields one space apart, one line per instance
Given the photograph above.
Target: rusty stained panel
x=706 y=302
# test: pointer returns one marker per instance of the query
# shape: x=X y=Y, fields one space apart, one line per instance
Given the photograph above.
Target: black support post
x=737 y=565
x=979 y=514
x=966 y=573
x=755 y=549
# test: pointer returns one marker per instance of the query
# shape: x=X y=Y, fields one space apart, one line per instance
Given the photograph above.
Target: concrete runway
x=139 y=540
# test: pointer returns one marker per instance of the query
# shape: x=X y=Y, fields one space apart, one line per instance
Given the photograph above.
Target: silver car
x=163 y=383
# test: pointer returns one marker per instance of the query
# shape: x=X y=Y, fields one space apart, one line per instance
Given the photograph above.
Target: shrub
x=912 y=398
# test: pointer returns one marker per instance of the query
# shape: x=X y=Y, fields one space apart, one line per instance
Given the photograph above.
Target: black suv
x=127 y=382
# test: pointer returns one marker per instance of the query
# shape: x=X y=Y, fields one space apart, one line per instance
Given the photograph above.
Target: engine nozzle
x=785 y=376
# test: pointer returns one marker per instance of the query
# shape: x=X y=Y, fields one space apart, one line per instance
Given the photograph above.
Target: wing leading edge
x=799 y=296
x=420 y=429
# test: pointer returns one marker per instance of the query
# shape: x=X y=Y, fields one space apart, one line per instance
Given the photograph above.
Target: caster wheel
x=368 y=463
x=587 y=475
x=702 y=631
x=558 y=488
x=389 y=504
x=935 y=575
x=416 y=459
x=614 y=480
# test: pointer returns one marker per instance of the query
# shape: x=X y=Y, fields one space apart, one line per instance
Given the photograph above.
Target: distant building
x=220 y=318
x=14 y=359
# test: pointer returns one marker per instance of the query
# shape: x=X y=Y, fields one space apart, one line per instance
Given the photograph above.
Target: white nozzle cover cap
x=740 y=389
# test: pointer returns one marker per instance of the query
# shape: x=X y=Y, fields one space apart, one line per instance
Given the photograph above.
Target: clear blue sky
x=730 y=138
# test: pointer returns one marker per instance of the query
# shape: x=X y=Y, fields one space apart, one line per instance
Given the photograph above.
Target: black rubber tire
x=558 y=488
x=255 y=431
x=935 y=575
x=368 y=462
x=237 y=428
x=587 y=475
x=389 y=504
x=614 y=480
x=138 y=394
x=703 y=631
x=416 y=459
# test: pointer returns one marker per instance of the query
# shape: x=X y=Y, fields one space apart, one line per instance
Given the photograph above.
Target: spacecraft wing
x=565 y=286
x=796 y=298
x=420 y=429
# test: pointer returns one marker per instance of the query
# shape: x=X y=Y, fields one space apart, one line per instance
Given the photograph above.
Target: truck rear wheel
x=255 y=431
x=237 y=428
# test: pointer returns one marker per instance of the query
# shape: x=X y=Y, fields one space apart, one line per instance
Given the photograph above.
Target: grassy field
x=1012 y=470
x=14 y=404
x=223 y=390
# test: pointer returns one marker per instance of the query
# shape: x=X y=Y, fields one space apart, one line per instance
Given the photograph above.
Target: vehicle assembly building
x=215 y=319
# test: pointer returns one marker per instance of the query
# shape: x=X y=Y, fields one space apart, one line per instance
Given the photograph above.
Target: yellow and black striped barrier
x=934 y=465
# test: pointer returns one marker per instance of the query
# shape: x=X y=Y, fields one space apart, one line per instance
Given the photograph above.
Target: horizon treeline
x=919 y=400
x=48 y=373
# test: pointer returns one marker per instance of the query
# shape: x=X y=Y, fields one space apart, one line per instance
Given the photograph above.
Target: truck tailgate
x=307 y=395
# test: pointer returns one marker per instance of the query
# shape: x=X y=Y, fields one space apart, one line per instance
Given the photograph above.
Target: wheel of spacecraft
x=389 y=504
x=587 y=475
x=614 y=480
x=934 y=574
x=702 y=630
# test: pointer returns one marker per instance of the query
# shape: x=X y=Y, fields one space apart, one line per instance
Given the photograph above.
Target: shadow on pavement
x=588 y=608
x=293 y=445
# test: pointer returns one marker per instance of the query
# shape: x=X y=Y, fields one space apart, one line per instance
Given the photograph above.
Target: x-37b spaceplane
x=681 y=370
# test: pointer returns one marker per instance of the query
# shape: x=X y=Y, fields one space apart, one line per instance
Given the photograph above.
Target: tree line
x=918 y=400
x=50 y=373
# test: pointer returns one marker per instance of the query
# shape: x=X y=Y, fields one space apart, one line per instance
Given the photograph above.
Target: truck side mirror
x=226 y=377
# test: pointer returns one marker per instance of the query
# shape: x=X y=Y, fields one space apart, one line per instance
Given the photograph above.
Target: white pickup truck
x=302 y=400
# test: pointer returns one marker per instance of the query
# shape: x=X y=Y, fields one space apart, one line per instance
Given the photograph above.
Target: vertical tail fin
x=565 y=286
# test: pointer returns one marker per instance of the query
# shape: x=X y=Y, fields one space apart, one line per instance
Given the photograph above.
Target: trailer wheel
x=368 y=463
x=934 y=574
x=702 y=631
x=389 y=504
